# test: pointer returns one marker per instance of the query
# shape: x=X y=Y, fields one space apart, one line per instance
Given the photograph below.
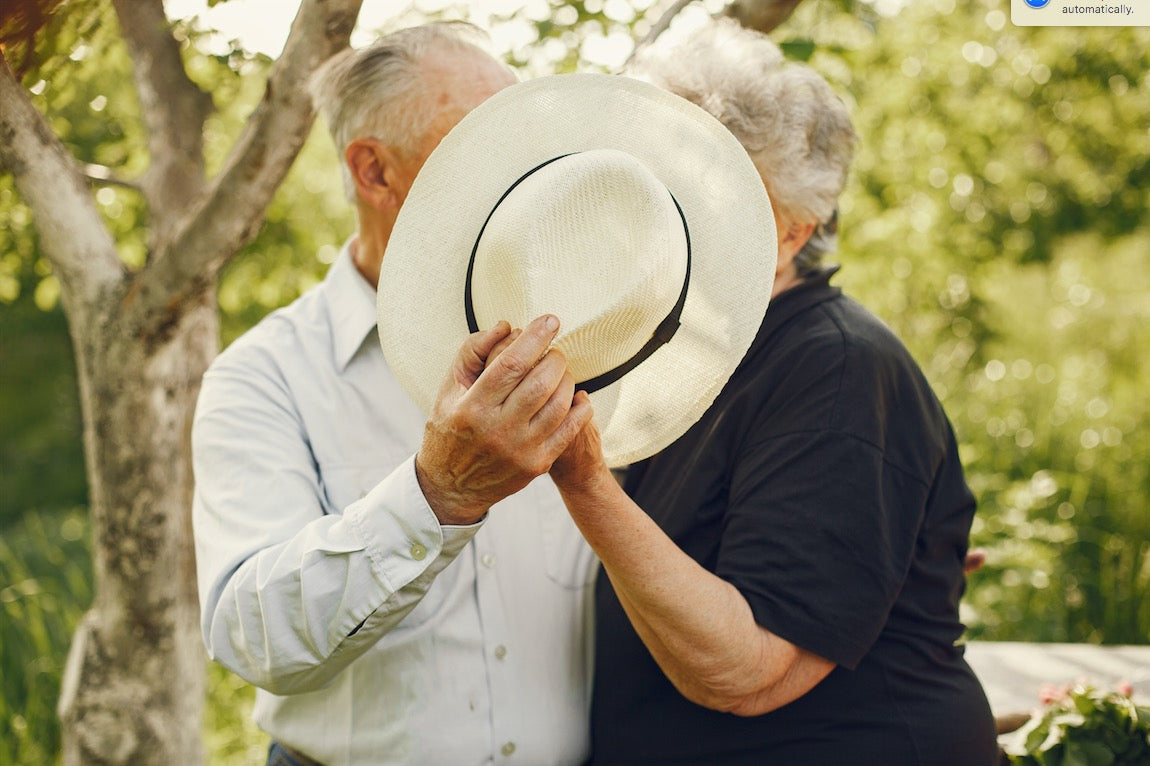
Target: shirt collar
x=351 y=306
x=812 y=291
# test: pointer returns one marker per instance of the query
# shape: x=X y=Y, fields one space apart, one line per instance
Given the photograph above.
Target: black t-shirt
x=824 y=483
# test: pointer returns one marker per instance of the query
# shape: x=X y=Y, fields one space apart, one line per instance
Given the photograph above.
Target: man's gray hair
x=796 y=130
x=374 y=92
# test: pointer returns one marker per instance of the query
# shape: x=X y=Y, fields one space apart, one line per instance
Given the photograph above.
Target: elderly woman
x=783 y=582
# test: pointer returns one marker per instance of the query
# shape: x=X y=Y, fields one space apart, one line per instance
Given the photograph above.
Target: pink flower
x=1048 y=693
x=1125 y=688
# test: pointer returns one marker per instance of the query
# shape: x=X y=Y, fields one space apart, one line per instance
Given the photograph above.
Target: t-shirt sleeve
x=819 y=536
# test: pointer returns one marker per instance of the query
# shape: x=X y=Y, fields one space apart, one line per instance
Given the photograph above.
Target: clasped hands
x=506 y=413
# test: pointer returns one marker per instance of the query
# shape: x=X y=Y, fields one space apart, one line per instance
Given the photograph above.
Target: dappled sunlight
x=995 y=218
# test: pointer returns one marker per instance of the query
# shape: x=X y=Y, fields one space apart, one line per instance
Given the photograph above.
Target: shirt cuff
x=402 y=536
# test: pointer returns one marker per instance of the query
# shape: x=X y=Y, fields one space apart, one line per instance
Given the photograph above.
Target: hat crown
x=429 y=300
x=594 y=238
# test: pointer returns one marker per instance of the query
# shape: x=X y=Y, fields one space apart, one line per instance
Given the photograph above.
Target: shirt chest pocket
x=568 y=559
x=344 y=483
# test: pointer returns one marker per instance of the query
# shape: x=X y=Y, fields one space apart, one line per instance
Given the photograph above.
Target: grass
x=46 y=573
x=45 y=588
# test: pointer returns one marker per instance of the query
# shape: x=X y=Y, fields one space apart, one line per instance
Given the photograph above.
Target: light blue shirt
x=376 y=636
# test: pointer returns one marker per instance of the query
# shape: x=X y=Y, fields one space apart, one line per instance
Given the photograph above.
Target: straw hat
x=631 y=214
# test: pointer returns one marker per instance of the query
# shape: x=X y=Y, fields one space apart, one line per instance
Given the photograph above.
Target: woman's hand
x=581 y=465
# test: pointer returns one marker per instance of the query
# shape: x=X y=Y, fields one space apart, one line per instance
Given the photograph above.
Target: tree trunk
x=133 y=687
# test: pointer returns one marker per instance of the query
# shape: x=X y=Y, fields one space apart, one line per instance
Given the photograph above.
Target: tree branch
x=761 y=15
x=233 y=209
x=104 y=175
x=174 y=110
x=659 y=27
x=73 y=236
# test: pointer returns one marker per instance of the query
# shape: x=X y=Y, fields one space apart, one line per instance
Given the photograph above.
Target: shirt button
x=418 y=552
x=508 y=748
x=500 y=653
x=488 y=560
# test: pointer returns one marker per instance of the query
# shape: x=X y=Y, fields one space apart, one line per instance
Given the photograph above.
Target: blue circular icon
x=1037 y=3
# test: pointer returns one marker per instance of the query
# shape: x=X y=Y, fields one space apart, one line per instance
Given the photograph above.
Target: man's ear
x=372 y=165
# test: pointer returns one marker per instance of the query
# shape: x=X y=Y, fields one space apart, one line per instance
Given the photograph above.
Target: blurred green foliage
x=231 y=738
x=996 y=219
x=45 y=585
x=41 y=454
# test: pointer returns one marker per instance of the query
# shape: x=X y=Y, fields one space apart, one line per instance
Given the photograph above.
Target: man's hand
x=974 y=560
x=494 y=428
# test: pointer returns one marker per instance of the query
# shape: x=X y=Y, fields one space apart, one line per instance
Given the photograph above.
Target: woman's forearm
x=697 y=626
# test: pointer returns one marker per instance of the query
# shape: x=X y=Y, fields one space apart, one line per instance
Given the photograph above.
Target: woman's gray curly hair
x=796 y=130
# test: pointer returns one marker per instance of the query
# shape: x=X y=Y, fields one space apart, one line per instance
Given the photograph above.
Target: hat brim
x=422 y=320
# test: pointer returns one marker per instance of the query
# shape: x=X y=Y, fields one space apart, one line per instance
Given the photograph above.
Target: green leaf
x=1117 y=741
x=1037 y=735
x=1088 y=754
x=799 y=50
x=1083 y=703
x=1137 y=751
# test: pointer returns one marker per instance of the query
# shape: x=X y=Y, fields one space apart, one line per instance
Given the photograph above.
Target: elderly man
x=783 y=581
x=347 y=562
